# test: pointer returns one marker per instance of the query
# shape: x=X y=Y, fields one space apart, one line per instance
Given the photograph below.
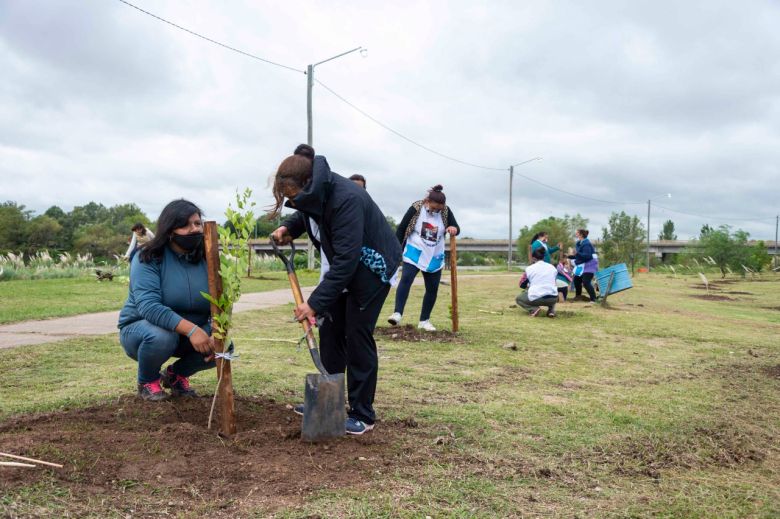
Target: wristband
x=192 y=331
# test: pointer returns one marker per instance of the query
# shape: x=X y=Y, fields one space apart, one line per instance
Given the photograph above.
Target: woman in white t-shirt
x=539 y=278
x=421 y=233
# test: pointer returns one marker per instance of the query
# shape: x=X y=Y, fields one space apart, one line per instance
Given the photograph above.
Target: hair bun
x=304 y=150
x=438 y=188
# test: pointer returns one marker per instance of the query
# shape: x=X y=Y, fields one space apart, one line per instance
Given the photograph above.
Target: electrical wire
x=717 y=218
x=448 y=157
x=247 y=54
x=401 y=135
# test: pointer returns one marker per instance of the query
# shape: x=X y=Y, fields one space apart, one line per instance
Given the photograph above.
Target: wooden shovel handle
x=298 y=296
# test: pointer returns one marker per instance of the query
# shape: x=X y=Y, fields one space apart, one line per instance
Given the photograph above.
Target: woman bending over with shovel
x=421 y=233
x=164 y=315
x=361 y=257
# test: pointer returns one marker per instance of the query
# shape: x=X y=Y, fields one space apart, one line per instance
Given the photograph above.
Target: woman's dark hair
x=583 y=232
x=305 y=151
x=358 y=177
x=175 y=215
x=295 y=171
x=435 y=194
x=538 y=235
x=538 y=253
x=139 y=227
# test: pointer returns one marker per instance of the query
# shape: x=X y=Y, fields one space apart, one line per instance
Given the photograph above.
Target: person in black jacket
x=360 y=257
x=421 y=234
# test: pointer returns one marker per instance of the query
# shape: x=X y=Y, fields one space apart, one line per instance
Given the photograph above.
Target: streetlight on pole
x=667 y=195
x=309 y=118
x=511 y=178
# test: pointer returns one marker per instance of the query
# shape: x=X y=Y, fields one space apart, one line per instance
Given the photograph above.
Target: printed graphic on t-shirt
x=429 y=232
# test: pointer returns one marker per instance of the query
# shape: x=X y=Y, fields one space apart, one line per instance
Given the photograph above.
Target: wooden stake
x=32 y=460
x=454 y=281
x=16 y=464
x=227 y=407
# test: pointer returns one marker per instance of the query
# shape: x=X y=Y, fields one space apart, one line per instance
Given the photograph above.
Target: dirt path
x=27 y=333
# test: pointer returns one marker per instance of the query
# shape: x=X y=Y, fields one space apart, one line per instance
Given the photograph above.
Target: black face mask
x=188 y=242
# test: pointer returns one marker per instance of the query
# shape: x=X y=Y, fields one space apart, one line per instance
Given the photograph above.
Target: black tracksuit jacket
x=348 y=220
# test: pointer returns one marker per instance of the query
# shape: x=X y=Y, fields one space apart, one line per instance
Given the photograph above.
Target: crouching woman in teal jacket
x=165 y=314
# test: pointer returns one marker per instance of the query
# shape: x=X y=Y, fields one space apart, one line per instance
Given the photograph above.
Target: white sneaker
x=395 y=319
x=427 y=326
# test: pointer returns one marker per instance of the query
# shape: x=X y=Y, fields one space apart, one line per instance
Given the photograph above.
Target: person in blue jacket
x=540 y=241
x=165 y=314
x=360 y=257
x=586 y=265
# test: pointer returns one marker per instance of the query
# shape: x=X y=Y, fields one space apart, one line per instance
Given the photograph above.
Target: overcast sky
x=624 y=101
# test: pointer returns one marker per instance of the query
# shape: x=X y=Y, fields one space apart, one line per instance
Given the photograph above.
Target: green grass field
x=662 y=405
x=46 y=298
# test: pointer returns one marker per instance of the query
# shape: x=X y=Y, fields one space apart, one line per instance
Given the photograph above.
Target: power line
x=401 y=135
x=247 y=54
x=717 y=218
x=448 y=157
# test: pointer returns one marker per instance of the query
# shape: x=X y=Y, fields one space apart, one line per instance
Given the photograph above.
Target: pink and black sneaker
x=152 y=391
x=179 y=386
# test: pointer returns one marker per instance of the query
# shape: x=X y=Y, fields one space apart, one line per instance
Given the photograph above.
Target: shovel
x=324 y=414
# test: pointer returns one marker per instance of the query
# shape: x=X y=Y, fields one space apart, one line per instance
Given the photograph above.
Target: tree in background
x=559 y=230
x=758 y=257
x=727 y=249
x=705 y=230
x=13 y=226
x=392 y=223
x=100 y=240
x=623 y=241
x=43 y=232
x=667 y=233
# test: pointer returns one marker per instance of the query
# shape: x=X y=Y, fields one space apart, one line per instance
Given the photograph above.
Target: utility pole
x=648 y=235
x=310 y=142
x=511 y=178
x=777 y=223
x=509 y=248
x=310 y=121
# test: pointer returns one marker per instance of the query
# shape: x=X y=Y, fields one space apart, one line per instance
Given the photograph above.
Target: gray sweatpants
x=548 y=301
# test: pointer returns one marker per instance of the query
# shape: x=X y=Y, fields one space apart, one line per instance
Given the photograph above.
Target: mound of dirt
x=711 y=297
x=151 y=459
x=409 y=333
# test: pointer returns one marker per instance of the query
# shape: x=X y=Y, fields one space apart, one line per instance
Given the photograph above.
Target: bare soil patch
x=409 y=333
x=773 y=371
x=773 y=308
x=160 y=458
x=737 y=292
x=711 y=297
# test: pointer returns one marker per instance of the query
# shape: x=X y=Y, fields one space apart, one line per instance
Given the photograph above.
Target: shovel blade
x=324 y=413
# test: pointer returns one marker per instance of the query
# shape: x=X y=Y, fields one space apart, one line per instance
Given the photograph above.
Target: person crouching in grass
x=165 y=314
x=540 y=281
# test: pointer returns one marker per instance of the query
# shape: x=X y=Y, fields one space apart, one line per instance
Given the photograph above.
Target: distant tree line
x=94 y=228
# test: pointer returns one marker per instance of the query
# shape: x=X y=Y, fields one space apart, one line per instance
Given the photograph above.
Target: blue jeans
x=431 y=279
x=152 y=346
